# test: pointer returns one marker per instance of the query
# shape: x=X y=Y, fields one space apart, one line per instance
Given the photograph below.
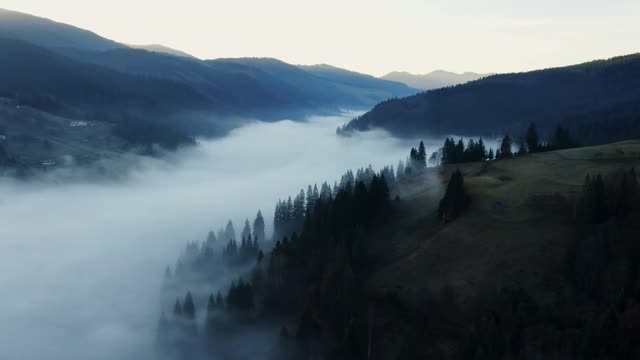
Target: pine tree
x=532 y=139
x=422 y=156
x=455 y=199
x=177 y=309
x=400 y=170
x=188 y=307
x=211 y=238
x=258 y=228
x=230 y=232
x=299 y=210
x=490 y=156
x=505 y=148
x=522 y=147
x=482 y=151
x=246 y=231
x=219 y=300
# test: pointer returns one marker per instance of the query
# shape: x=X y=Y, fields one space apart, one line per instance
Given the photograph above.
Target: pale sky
x=370 y=36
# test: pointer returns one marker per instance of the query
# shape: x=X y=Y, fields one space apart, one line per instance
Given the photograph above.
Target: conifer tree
x=422 y=155
x=246 y=231
x=258 y=228
x=490 y=156
x=532 y=139
x=177 y=309
x=188 y=307
x=219 y=300
x=230 y=232
x=211 y=238
x=455 y=199
x=505 y=148
x=400 y=170
x=522 y=147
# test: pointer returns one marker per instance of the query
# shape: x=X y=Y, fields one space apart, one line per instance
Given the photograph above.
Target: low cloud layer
x=82 y=261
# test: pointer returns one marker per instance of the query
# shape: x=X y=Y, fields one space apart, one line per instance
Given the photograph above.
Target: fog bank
x=82 y=261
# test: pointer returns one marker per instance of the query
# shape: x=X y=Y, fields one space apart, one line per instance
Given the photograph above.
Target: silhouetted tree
x=532 y=139
x=455 y=200
x=258 y=228
x=505 y=148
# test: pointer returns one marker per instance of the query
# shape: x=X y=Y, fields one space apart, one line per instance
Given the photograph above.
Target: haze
x=84 y=259
x=409 y=35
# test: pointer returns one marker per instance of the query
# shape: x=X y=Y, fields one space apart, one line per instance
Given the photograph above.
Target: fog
x=81 y=261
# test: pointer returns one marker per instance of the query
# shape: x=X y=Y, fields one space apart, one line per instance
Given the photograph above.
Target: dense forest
x=502 y=103
x=304 y=291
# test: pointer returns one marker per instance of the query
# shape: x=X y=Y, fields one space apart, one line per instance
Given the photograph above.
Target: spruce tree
x=258 y=228
x=422 y=156
x=490 y=156
x=246 y=231
x=230 y=232
x=177 y=309
x=188 y=307
x=455 y=199
x=522 y=147
x=532 y=139
x=505 y=148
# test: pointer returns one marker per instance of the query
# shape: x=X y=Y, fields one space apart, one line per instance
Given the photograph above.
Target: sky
x=370 y=36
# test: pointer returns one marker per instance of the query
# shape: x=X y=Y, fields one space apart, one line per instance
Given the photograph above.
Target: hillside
x=433 y=80
x=519 y=233
x=508 y=102
x=522 y=272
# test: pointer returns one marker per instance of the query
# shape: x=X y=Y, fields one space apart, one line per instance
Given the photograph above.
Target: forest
x=307 y=285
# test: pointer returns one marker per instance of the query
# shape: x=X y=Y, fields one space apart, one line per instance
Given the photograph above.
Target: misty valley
x=214 y=181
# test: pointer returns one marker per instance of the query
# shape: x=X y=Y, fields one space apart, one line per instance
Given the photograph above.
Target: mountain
x=433 y=80
x=144 y=110
x=162 y=49
x=156 y=94
x=50 y=34
x=387 y=88
x=264 y=88
x=507 y=103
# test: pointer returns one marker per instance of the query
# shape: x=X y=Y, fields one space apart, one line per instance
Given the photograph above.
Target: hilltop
x=507 y=103
x=433 y=80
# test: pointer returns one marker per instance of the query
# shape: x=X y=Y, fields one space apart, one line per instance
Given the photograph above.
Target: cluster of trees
x=245 y=253
x=418 y=158
x=475 y=150
x=240 y=296
x=176 y=334
x=289 y=215
x=453 y=153
x=331 y=250
x=204 y=262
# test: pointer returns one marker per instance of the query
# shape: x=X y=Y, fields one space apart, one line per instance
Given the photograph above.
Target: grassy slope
x=524 y=244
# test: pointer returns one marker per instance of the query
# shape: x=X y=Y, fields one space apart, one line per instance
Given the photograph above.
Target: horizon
x=456 y=33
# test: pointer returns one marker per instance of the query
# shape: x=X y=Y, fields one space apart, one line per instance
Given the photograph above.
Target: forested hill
x=508 y=102
x=526 y=257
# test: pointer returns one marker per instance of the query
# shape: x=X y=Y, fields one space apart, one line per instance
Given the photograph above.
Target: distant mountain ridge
x=433 y=80
x=156 y=85
x=51 y=34
x=162 y=49
x=507 y=103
